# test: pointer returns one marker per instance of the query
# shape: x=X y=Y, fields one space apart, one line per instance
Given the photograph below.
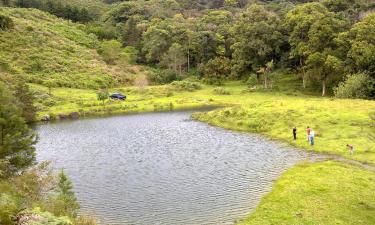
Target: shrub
x=221 y=91
x=6 y=23
x=186 y=85
x=216 y=70
x=252 y=80
x=358 y=85
x=110 y=51
x=163 y=76
x=102 y=95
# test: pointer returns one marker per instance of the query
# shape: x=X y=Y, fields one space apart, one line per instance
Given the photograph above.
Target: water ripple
x=164 y=168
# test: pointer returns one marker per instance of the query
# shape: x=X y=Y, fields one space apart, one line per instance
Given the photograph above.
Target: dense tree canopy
x=321 y=41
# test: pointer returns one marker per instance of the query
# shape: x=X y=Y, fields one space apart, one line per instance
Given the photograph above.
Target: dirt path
x=326 y=157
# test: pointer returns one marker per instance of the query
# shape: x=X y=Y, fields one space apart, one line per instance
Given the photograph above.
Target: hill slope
x=43 y=47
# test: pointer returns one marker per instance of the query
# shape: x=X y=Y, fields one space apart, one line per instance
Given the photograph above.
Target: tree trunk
x=175 y=65
x=303 y=73
x=188 y=60
x=323 y=87
x=265 y=81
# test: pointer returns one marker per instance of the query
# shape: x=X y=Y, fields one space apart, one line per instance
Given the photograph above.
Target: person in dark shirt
x=294 y=133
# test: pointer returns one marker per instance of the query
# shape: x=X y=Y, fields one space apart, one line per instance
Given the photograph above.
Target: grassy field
x=319 y=193
x=310 y=193
x=336 y=122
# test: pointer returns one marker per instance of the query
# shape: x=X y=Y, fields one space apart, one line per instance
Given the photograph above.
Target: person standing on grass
x=308 y=130
x=312 y=136
x=350 y=148
x=295 y=133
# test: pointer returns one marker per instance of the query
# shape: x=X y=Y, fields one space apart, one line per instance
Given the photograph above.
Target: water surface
x=164 y=168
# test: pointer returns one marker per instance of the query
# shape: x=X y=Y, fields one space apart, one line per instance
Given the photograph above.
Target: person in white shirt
x=312 y=136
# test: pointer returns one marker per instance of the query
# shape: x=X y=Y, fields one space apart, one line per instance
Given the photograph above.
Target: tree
x=359 y=85
x=265 y=71
x=65 y=202
x=110 y=51
x=156 y=41
x=216 y=70
x=25 y=101
x=174 y=59
x=357 y=46
x=313 y=30
x=258 y=40
x=17 y=140
x=322 y=66
x=103 y=95
x=131 y=35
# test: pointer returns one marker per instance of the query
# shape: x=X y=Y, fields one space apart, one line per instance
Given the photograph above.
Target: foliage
x=217 y=70
x=221 y=91
x=16 y=139
x=103 y=95
x=358 y=46
x=65 y=203
x=110 y=51
x=358 y=85
x=313 y=29
x=6 y=23
x=56 y=49
x=65 y=11
x=36 y=194
x=258 y=40
x=186 y=85
x=174 y=58
x=25 y=101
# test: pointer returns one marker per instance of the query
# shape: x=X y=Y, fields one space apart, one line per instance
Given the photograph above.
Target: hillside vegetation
x=47 y=50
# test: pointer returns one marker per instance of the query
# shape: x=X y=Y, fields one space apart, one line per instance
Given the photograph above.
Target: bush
x=358 y=85
x=110 y=51
x=216 y=70
x=221 y=91
x=252 y=80
x=186 y=85
x=163 y=76
x=6 y=23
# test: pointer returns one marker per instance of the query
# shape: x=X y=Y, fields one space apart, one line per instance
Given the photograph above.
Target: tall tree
x=313 y=29
x=258 y=40
x=174 y=59
x=25 y=101
x=17 y=140
x=357 y=46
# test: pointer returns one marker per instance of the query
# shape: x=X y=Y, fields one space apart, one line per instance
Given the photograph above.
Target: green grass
x=336 y=122
x=43 y=47
x=319 y=193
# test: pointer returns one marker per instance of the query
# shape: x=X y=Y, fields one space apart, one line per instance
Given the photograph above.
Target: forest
x=270 y=65
x=327 y=44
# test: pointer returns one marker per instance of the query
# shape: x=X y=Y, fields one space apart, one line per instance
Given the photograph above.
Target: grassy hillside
x=44 y=48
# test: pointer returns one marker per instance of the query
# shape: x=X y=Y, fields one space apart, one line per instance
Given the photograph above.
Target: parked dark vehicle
x=117 y=96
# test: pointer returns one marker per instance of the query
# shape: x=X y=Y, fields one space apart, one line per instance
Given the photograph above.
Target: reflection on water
x=163 y=168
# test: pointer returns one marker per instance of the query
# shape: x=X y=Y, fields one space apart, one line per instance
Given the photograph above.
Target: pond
x=164 y=168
